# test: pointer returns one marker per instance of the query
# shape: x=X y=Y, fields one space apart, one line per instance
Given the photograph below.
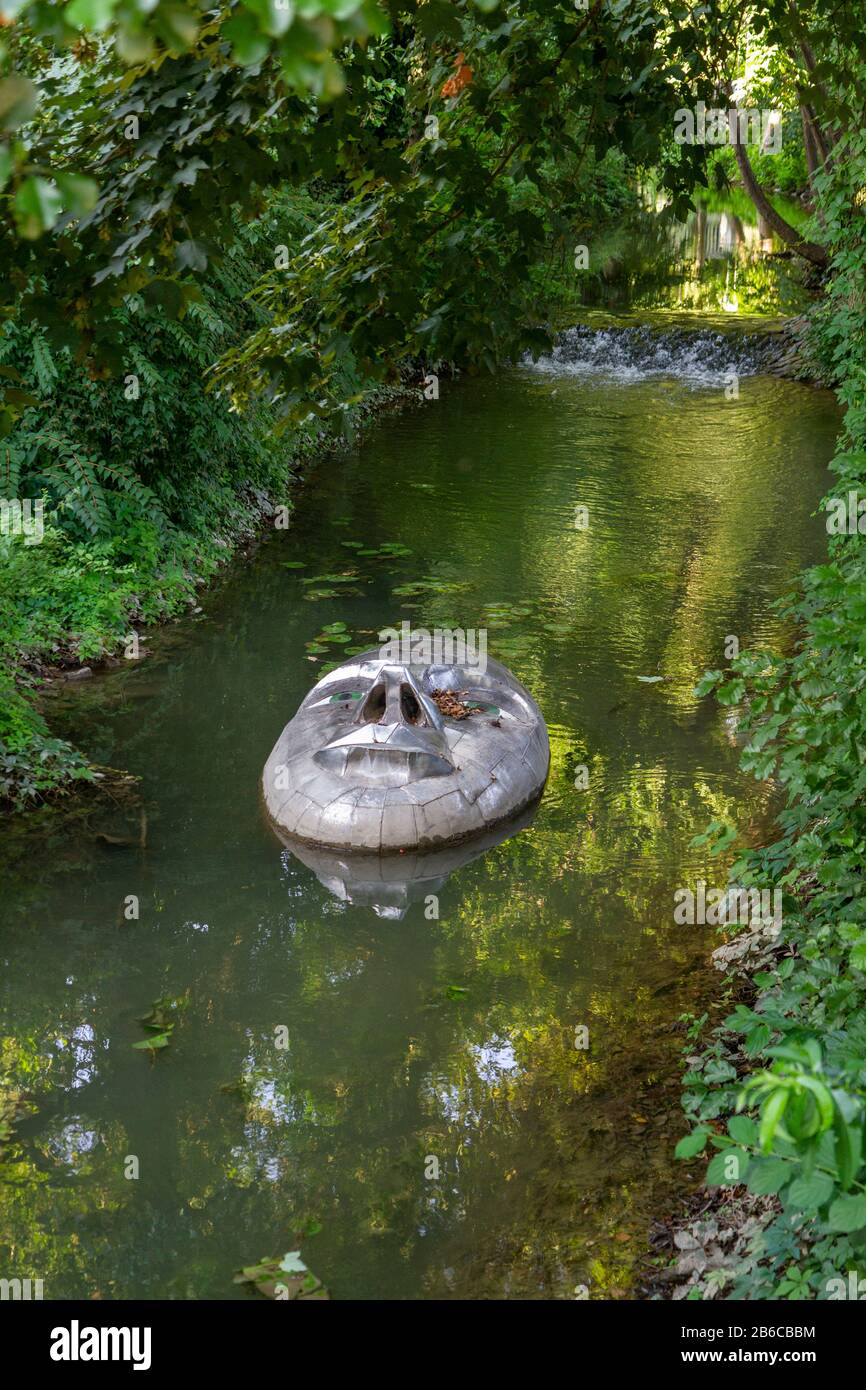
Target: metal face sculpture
x=383 y=756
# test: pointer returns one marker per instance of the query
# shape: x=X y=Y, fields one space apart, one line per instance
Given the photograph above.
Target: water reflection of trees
x=451 y=1038
x=718 y=260
x=537 y=1141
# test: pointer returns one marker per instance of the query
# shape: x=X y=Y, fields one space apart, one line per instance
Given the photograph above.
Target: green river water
x=413 y=1044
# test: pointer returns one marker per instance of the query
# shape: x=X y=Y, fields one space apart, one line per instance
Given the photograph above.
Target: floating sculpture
x=384 y=756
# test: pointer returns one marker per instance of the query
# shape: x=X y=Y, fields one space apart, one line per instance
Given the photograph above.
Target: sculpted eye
x=343 y=695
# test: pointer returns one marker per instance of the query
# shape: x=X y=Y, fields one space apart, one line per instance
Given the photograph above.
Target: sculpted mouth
x=401 y=747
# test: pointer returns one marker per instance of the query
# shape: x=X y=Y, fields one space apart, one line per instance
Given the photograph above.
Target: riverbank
x=778 y=1089
x=68 y=611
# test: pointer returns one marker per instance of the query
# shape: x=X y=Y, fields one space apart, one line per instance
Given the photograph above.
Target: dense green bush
x=147 y=481
x=796 y=1128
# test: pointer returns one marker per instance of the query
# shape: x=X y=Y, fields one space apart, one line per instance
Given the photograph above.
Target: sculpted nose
x=395 y=698
x=398 y=735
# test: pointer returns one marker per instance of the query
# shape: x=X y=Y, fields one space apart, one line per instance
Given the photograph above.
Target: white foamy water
x=698 y=357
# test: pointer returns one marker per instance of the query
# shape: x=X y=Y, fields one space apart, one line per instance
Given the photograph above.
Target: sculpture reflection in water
x=390 y=883
x=407 y=770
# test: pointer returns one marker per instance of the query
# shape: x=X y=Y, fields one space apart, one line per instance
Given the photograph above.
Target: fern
x=211 y=321
x=125 y=480
x=146 y=370
x=186 y=342
x=77 y=484
x=74 y=482
x=10 y=473
x=44 y=366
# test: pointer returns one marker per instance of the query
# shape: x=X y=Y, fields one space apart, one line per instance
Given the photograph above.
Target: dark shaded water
x=449 y=1039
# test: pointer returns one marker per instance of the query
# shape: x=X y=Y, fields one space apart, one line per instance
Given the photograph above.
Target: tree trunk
x=810 y=250
x=822 y=144
x=813 y=156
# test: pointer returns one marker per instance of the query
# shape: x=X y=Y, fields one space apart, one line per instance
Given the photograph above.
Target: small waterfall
x=699 y=356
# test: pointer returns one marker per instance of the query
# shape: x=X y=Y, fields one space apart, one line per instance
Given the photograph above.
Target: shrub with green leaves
x=146 y=478
x=795 y=1125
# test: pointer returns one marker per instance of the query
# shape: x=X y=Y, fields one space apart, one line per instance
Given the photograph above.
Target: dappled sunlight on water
x=454 y=1038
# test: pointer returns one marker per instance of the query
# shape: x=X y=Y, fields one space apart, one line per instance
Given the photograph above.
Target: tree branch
x=809 y=250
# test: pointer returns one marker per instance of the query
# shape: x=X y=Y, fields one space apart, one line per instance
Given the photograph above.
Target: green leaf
x=79 y=193
x=768 y=1176
x=847 y=1214
x=707 y=682
x=691 y=1144
x=246 y=38
x=743 y=1129
x=728 y=1168
x=18 y=100
x=823 y=1098
x=37 y=207
x=180 y=24
x=90 y=14
x=20 y=398
x=847 y=1150
x=771 y=1116
x=756 y=1040
x=810 y=1193
x=158 y=1040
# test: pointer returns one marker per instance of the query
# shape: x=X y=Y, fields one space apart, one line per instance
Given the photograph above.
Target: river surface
x=409 y=1100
